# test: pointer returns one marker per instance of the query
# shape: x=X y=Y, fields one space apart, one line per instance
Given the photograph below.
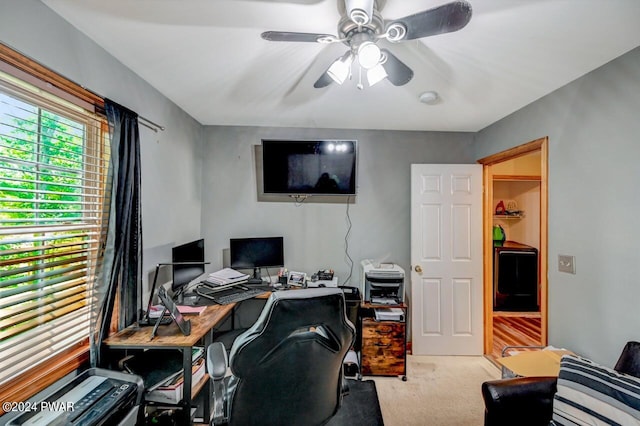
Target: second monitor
x=256 y=253
x=188 y=264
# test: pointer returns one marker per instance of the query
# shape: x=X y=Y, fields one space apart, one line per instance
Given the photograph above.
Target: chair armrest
x=217 y=361
x=345 y=386
x=520 y=400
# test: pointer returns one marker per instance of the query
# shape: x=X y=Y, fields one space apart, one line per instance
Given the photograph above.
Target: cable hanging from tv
x=299 y=198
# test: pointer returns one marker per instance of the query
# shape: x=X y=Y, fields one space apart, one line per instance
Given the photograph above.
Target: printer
x=382 y=283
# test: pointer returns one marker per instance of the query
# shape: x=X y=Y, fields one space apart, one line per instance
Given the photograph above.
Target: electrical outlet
x=566 y=264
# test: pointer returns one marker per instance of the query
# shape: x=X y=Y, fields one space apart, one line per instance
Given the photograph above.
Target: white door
x=446 y=259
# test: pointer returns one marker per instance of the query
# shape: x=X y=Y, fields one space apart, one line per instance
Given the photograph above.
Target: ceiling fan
x=361 y=26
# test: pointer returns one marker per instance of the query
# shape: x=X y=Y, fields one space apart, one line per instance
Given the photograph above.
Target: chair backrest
x=629 y=361
x=287 y=368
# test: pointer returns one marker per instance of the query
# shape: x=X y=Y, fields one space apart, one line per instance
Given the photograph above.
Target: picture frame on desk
x=296 y=279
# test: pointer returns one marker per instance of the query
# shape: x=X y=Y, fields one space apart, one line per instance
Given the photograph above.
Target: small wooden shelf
x=533 y=178
x=508 y=216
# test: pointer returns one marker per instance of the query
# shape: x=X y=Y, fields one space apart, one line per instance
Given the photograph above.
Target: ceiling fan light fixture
x=368 y=55
x=376 y=74
x=360 y=11
x=395 y=32
x=327 y=39
x=341 y=68
x=359 y=17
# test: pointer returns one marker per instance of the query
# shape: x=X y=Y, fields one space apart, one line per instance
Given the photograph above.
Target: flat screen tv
x=307 y=167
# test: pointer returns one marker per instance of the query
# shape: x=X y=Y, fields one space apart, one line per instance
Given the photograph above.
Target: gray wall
x=171 y=160
x=593 y=128
x=314 y=232
x=594 y=173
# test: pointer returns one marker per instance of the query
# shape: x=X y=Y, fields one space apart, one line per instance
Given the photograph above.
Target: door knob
x=418 y=269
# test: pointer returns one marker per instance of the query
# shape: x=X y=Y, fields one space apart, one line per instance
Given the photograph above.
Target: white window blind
x=53 y=166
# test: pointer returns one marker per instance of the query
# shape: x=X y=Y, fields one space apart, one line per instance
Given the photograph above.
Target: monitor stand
x=256 y=279
x=146 y=321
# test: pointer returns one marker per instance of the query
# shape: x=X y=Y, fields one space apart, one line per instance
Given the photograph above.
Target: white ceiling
x=207 y=57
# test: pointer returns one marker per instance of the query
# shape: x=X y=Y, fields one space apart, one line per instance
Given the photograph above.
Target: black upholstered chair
x=287 y=368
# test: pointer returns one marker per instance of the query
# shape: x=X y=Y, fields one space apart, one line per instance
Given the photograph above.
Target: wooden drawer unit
x=383 y=348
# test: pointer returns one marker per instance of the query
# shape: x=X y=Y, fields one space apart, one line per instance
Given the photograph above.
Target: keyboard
x=233 y=295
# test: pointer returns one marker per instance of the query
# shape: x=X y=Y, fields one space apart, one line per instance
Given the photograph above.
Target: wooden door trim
x=535 y=145
x=542 y=145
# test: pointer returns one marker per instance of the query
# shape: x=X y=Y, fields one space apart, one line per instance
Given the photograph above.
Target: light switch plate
x=566 y=263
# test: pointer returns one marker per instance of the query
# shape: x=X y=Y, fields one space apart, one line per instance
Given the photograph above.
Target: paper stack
x=389 y=314
x=226 y=276
x=170 y=391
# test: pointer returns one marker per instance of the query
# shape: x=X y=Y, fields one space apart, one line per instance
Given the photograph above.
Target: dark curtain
x=121 y=270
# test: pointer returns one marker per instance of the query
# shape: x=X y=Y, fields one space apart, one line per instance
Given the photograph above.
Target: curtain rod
x=150 y=124
x=142 y=120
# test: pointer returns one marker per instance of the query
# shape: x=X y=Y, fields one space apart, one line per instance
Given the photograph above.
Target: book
x=156 y=310
x=191 y=310
x=170 y=392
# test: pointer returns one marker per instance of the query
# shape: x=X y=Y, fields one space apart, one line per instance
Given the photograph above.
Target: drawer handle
x=388 y=345
x=385 y=330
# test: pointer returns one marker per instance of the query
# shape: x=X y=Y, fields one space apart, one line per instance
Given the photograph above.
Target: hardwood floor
x=515 y=329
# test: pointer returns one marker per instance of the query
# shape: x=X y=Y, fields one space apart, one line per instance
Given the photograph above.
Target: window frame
x=76 y=356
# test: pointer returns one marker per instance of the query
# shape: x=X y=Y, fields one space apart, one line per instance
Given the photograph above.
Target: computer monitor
x=188 y=263
x=256 y=253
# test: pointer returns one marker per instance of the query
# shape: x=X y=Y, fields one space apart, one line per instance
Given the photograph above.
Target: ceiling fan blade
x=398 y=73
x=447 y=18
x=301 y=37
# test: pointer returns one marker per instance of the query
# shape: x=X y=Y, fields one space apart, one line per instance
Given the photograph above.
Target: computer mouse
x=322 y=285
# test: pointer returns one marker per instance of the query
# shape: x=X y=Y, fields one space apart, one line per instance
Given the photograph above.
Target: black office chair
x=287 y=368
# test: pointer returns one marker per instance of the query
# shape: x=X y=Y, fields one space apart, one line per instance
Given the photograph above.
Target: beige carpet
x=439 y=391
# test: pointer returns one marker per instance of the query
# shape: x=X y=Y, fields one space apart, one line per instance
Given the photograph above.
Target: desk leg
x=186 y=390
x=206 y=409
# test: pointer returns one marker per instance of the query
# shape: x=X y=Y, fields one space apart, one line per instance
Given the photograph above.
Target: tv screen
x=323 y=167
x=189 y=252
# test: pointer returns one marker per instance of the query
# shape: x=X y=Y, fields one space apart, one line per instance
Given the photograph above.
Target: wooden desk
x=170 y=337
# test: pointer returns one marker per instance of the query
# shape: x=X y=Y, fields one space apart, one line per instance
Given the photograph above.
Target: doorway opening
x=515 y=247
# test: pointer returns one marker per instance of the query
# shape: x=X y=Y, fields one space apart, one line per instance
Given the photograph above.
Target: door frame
x=541 y=145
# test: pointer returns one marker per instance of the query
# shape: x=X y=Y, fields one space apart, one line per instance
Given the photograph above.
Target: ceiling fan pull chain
x=360 y=86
